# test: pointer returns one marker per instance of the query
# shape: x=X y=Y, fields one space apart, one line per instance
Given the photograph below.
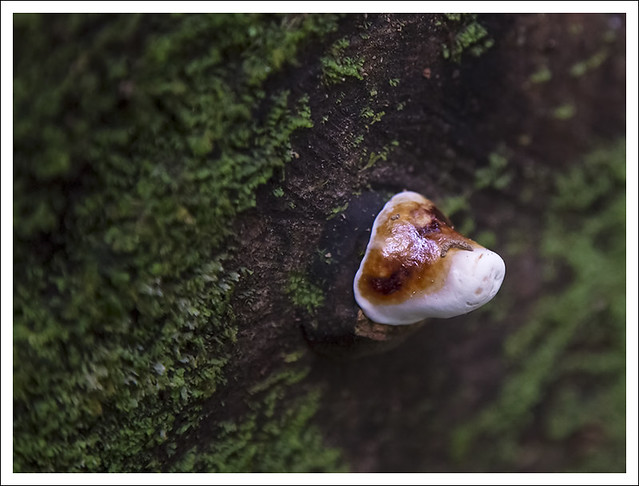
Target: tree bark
x=513 y=125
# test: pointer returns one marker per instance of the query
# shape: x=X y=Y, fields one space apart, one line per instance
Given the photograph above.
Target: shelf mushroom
x=416 y=266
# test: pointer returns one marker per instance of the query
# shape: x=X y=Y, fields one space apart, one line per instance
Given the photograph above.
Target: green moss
x=590 y=64
x=324 y=256
x=564 y=112
x=357 y=141
x=370 y=116
x=337 y=210
x=303 y=293
x=137 y=140
x=466 y=226
x=276 y=435
x=470 y=37
x=294 y=356
x=494 y=175
x=487 y=238
x=453 y=17
x=451 y=205
x=336 y=67
x=543 y=75
x=570 y=354
x=374 y=157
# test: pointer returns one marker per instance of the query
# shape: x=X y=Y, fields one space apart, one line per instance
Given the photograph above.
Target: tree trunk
x=183 y=297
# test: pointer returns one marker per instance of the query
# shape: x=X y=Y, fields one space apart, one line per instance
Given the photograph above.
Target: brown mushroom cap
x=417 y=266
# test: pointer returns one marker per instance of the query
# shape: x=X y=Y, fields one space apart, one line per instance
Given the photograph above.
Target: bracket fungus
x=416 y=266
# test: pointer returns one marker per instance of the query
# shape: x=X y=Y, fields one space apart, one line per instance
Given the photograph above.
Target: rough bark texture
x=221 y=333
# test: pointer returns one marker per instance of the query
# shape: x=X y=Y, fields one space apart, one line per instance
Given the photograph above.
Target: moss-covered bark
x=169 y=262
x=138 y=139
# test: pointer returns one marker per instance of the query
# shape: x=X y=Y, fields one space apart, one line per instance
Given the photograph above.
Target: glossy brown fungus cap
x=417 y=266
